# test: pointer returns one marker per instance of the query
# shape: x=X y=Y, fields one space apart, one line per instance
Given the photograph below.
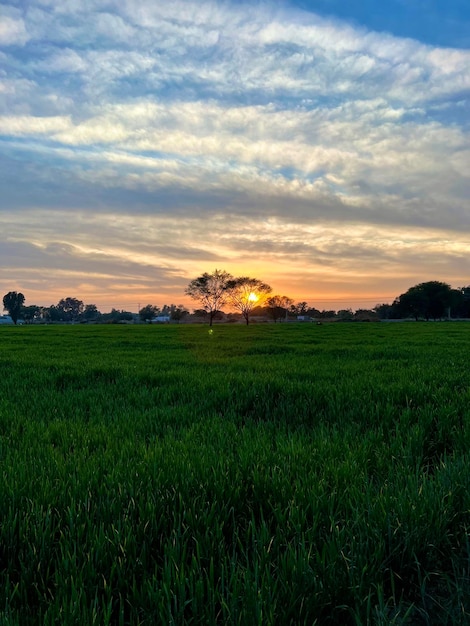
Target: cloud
x=211 y=46
x=13 y=31
x=146 y=254
x=199 y=126
x=360 y=159
x=27 y=125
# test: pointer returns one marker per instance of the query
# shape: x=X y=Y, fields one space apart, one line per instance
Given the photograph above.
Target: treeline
x=73 y=310
x=430 y=300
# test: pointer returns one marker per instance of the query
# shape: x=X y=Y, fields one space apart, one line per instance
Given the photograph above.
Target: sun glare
x=253 y=297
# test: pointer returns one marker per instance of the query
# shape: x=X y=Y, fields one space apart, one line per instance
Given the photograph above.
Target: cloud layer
x=144 y=142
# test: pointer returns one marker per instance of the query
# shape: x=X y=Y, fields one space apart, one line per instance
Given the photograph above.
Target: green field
x=276 y=474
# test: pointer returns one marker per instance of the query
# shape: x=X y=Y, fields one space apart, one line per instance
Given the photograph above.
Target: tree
x=178 y=312
x=278 y=306
x=429 y=300
x=70 y=309
x=12 y=302
x=326 y=315
x=115 y=316
x=31 y=313
x=211 y=291
x=52 y=313
x=463 y=309
x=245 y=293
x=90 y=313
x=313 y=312
x=384 y=311
x=148 y=312
x=456 y=303
x=345 y=315
x=366 y=315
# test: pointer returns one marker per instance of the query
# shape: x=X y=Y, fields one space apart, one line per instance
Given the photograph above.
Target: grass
x=288 y=474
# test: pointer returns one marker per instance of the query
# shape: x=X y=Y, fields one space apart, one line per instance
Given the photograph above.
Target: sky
x=321 y=146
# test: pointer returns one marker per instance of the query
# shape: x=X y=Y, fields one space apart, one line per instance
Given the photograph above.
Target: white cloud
x=13 y=31
x=361 y=154
x=26 y=125
x=154 y=255
x=63 y=61
x=237 y=113
x=152 y=43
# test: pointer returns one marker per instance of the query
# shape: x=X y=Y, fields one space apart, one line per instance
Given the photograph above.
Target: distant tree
x=12 y=302
x=412 y=303
x=384 y=311
x=366 y=315
x=52 y=313
x=232 y=318
x=210 y=290
x=259 y=311
x=429 y=300
x=313 y=312
x=300 y=308
x=218 y=315
x=327 y=315
x=125 y=316
x=463 y=309
x=178 y=312
x=70 y=309
x=245 y=293
x=31 y=313
x=90 y=313
x=457 y=303
x=115 y=316
x=278 y=306
x=200 y=313
x=148 y=312
x=345 y=315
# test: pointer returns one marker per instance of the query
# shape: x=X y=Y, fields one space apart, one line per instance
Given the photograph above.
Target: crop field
x=263 y=475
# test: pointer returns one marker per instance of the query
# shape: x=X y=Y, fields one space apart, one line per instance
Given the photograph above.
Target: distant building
x=160 y=319
x=6 y=319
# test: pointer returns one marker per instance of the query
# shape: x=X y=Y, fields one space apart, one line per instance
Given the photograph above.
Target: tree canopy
x=148 y=312
x=12 y=302
x=427 y=300
x=210 y=290
x=70 y=309
x=279 y=306
x=245 y=293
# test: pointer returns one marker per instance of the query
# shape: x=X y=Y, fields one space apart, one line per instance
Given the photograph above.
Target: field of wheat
x=275 y=474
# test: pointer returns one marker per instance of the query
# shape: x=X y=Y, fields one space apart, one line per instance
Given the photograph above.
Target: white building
x=6 y=319
x=161 y=319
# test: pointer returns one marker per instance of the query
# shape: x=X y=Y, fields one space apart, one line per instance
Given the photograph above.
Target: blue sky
x=434 y=22
x=322 y=146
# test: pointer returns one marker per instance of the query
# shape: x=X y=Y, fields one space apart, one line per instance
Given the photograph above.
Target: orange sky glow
x=145 y=143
